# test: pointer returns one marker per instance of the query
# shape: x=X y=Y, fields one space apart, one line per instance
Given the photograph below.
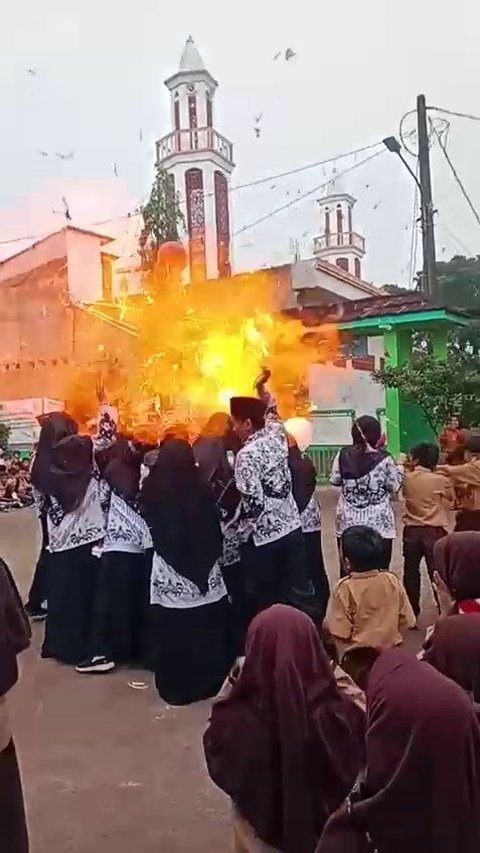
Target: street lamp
x=392 y=144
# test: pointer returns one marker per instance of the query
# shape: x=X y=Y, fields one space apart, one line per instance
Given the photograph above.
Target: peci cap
x=244 y=408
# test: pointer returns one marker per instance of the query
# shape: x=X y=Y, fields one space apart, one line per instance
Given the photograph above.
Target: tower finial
x=191 y=59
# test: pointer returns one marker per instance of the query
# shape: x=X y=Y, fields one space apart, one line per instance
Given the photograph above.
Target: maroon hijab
x=457 y=561
x=286 y=745
x=454 y=649
x=421 y=791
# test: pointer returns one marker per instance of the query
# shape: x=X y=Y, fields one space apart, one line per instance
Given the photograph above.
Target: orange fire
x=199 y=345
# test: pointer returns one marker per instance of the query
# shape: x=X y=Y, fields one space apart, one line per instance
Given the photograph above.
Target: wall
x=50 y=249
x=342 y=388
x=84 y=266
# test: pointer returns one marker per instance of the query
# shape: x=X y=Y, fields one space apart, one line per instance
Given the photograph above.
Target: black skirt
x=13 y=827
x=316 y=569
x=121 y=608
x=71 y=583
x=191 y=651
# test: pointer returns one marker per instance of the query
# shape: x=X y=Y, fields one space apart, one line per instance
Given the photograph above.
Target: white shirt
x=126 y=531
x=83 y=526
x=367 y=500
x=170 y=589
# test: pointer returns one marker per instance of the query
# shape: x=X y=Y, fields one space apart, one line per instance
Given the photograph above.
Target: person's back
x=369 y=607
x=428 y=495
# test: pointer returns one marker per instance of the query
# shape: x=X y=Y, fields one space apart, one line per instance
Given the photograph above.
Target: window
x=176 y=112
x=342 y=263
x=339 y=226
x=209 y=110
x=358 y=268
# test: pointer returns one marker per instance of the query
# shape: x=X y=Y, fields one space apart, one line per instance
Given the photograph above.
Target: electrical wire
x=255 y=182
x=305 y=195
x=470 y=116
x=455 y=173
x=463 y=247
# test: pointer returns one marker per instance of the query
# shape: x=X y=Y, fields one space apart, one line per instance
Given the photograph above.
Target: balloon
x=172 y=254
x=301 y=430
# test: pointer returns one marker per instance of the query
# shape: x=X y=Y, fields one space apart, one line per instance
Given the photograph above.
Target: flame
x=190 y=349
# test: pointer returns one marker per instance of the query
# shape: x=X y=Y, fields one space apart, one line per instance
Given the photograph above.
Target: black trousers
x=121 y=611
x=38 y=589
x=316 y=569
x=418 y=544
x=276 y=573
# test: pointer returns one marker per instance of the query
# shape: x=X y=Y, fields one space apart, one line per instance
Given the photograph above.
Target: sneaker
x=97 y=663
x=35 y=615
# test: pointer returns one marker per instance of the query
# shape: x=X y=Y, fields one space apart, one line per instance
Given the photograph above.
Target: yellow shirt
x=466 y=481
x=369 y=609
x=428 y=496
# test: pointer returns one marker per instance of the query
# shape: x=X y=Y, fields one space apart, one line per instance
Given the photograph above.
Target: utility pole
x=429 y=276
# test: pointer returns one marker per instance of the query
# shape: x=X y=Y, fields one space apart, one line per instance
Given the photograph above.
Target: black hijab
x=54 y=427
x=363 y=455
x=70 y=471
x=122 y=470
x=180 y=510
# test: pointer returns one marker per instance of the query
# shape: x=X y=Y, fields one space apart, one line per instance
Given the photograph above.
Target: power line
x=455 y=173
x=454 y=113
x=456 y=239
x=253 y=183
x=305 y=195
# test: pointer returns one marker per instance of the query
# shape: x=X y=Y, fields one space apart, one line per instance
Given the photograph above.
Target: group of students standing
x=161 y=555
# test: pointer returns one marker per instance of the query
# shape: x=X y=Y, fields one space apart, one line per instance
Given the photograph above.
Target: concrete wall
x=84 y=266
x=342 y=388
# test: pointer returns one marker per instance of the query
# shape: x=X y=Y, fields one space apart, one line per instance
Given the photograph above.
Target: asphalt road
x=108 y=768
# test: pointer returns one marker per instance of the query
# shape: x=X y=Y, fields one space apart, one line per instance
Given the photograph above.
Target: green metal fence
x=322 y=456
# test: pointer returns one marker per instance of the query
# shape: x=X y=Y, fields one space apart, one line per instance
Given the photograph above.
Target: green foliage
x=440 y=388
x=162 y=218
x=4 y=435
x=459 y=287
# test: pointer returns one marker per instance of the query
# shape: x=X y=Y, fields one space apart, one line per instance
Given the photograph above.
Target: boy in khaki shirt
x=369 y=607
x=429 y=495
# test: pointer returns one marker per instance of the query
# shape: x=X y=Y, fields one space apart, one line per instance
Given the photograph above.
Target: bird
x=289 y=54
x=66 y=208
x=115 y=170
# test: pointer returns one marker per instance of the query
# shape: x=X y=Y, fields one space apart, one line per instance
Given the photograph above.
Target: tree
x=440 y=388
x=163 y=220
x=459 y=287
x=4 y=435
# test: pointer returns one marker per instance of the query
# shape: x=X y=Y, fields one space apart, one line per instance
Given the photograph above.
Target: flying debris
x=273 y=187
x=62 y=156
x=140 y=135
x=257 y=119
x=367 y=186
x=115 y=170
x=375 y=206
x=66 y=209
x=31 y=71
x=305 y=234
x=43 y=153
x=289 y=54
x=258 y=131
x=277 y=56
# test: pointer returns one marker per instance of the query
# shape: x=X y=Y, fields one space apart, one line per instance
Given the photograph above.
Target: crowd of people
x=15 y=487
x=201 y=560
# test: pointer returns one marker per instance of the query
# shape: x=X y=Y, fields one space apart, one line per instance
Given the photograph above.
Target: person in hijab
x=286 y=745
x=119 y=629
x=53 y=427
x=304 y=481
x=368 y=478
x=454 y=649
x=421 y=788
x=273 y=553
x=14 y=638
x=457 y=572
x=75 y=523
x=190 y=609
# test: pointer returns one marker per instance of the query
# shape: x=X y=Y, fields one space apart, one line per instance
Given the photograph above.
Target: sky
x=98 y=80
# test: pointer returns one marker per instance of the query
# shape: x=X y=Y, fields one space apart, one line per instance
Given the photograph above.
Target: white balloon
x=302 y=431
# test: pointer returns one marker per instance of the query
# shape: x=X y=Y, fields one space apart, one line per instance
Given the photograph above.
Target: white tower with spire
x=338 y=243
x=201 y=162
